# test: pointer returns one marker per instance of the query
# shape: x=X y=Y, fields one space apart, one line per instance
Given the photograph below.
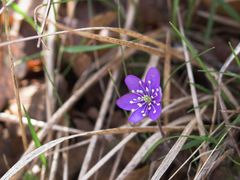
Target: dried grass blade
x=174 y=151
x=35 y=153
x=98 y=125
x=139 y=155
x=192 y=81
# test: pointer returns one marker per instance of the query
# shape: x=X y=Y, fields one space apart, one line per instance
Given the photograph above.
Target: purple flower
x=144 y=98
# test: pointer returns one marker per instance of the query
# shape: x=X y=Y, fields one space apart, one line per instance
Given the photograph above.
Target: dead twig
x=15 y=83
x=98 y=126
x=166 y=76
x=124 y=141
x=139 y=155
x=44 y=20
x=191 y=82
x=9 y=118
x=174 y=150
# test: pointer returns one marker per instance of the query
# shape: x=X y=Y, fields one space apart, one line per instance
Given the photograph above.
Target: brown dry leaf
x=38 y=110
x=233 y=3
x=18 y=52
x=10 y=147
x=118 y=119
x=82 y=63
x=28 y=99
x=152 y=13
x=131 y=148
x=75 y=159
x=80 y=121
x=6 y=87
x=92 y=112
x=104 y=19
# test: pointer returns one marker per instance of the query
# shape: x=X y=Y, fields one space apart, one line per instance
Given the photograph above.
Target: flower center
x=147 y=99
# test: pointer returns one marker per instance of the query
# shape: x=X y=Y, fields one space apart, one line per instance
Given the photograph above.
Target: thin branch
x=81 y=32
x=166 y=76
x=147 y=145
x=174 y=151
x=44 y=20
x=123 y=142
x=15 y=84
x=98 y=126
x=9 y=118
x=191 y=82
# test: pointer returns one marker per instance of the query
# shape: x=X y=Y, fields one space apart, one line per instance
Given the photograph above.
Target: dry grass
x=190 y=114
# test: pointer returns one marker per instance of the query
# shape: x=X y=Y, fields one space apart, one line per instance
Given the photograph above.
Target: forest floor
x=63 y=66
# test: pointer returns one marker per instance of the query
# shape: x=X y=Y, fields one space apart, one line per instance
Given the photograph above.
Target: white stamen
x=149 y=82
x=139 y=104
x=152 y=90
x=131 y=102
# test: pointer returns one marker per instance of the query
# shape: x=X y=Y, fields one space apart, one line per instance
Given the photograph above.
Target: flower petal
x=132 y=82
x=158 y=97
x=137 y=116
x=153 y=77
x=124 y=101
x=155 y=112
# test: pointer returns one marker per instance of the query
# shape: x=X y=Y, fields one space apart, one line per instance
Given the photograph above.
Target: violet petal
x=127 y=101
x=137 y=116
x=155 y=112
x=132 y=82
x=158 y=98
x=153 y=77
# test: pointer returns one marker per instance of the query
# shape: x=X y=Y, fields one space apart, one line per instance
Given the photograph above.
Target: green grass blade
x=228 y=73
x=235 y=55
x=231 y=74
x=191 y=5
x=42 y=157
x=55 y=92
x=200 y=106
x=230 y=10
x=210 y=22
x=202 y=88
x=194 y=53
x=199 y=138
x=183 y=65
x=234 y=161
x=191 y=144
x=27 y=18
x=29 y=176
x=174 y=11
x=236 y=121
x=84 y=48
